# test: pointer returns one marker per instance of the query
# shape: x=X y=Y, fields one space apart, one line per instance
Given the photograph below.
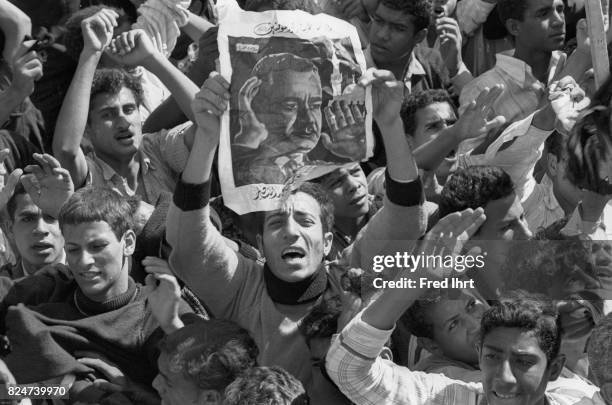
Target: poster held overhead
x=295 y=110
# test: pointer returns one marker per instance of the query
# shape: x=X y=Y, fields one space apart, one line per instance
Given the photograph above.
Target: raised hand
x=132 y=48
x=48 y=184
x=450 y=43
x=567 y=99
x=475 y=120
x=165 y=296
x=387 y=94
x=8 y=187
x=98 y=30
x=114 y=379
x=449 y=236
x=347 y=132
x=210 y=103
x=252 y=131
x=27 y=69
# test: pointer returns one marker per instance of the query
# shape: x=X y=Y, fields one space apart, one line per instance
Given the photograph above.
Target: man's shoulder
x=428 y=56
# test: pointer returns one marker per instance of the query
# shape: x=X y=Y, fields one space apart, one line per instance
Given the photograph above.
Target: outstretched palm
x=48 y=184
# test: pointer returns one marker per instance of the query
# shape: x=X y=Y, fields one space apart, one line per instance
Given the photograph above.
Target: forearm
x=577 y=63
x=400 y=163
x=72 y=118
x=182 y=88
x=431 y=154
x=199 y=165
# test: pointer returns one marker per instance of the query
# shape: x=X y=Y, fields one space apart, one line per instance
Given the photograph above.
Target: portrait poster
x=295 y=110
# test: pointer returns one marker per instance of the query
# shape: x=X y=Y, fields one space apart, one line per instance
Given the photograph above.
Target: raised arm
x=353 y=360
x=72 y=119
x=133 y=48
x=200 y=257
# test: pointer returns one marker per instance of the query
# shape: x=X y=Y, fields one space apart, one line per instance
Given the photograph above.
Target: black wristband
x=191 y=197
x=404 y=194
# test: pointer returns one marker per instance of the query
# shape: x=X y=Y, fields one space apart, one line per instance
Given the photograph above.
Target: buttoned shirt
x=414 y=68
x=162 y=156
x=354 y=364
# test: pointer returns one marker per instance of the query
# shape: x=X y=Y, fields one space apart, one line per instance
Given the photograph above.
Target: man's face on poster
x=290 y=108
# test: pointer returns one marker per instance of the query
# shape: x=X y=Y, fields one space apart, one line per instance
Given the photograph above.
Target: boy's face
x=37 y=236
x=456 y=325
x=348 y=189
x=293 y=241
x=97 y=259
x=514 y=367
x=114 y=124
x=175 y=389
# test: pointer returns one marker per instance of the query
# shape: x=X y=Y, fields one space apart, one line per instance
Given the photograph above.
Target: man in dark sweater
x=90 y=305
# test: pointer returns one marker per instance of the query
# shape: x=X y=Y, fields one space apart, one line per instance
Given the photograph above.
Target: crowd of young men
x=126 y=280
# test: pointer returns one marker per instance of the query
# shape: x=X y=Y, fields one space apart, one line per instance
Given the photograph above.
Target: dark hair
x=308 y=6
x=420 y=10
x=419 y=100
x=555 y=144
x=322 y=321
x=73 y=37
x=11 y=205
x=417 y=318
x=281 y=62
x=515 y=9
x=599 y=350
x=210 y=352
x=93 y=204
x=474 y=187
x=530 y=313
x=111 y=81
x=322 y=198
x=265 y=385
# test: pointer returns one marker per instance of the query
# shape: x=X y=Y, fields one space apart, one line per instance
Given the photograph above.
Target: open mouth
x=439 y=11
x=293 y=253
x=505 y=396
x=40 y=246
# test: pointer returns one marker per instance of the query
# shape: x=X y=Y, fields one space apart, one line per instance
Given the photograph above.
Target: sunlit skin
x=115 y=127
x=293 y=241
x=98 y=260
x=348 y=188
x=37 y=236
x=515 y=369
x=456 y=328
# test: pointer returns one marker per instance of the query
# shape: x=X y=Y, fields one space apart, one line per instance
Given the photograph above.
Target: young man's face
x=392 y=35
x=291 y=112
x=514 y=368
x=430 y=120
x=348 y=189
x=97 y=259
x=293 y=241
x=456 y=327
x=175 y=389
x=114 y=125
x=505 y=221
x=37 y=236
x=543 y=25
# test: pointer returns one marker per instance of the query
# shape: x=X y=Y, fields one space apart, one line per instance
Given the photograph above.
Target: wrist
x=154 y=63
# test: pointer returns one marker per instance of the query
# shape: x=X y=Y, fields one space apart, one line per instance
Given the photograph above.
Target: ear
x=259 y=242
x=552 y=164
x=429 y=345
x=386 y=354
x=513 y=26
x=129 y=242
x=555 y=367
x=420 y=36
x=328 y=240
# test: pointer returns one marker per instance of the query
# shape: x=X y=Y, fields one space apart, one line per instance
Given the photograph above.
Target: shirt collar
x=414 y=65
x=108 y=172
x=519 y=70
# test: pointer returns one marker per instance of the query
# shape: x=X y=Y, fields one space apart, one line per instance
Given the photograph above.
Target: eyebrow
x=493 y=348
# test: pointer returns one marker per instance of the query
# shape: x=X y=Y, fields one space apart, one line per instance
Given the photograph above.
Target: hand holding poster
x=295 y=110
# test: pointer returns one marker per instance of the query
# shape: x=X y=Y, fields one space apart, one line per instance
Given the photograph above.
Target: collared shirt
x=162 y=156
x=521 y=96
x=354 y=364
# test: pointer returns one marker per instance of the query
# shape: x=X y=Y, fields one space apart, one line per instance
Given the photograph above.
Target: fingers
x=376 y=76
x=495 y=123
x=340 y=118
x=331 y=119
x=357 y=115
x=156 y=265
x=213 y=97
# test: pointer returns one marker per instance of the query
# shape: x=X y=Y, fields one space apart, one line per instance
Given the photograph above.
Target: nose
x=558 y=18
x=157 y=385
x=290 y=230
x=85 y=259
x=122 y=121
x=41 y=227
x=306 y=120
x=383 y=32
x=505 y=374
x=352 y=184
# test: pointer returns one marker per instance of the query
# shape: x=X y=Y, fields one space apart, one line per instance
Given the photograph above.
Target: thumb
x=327 y=142
x=495 y=123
